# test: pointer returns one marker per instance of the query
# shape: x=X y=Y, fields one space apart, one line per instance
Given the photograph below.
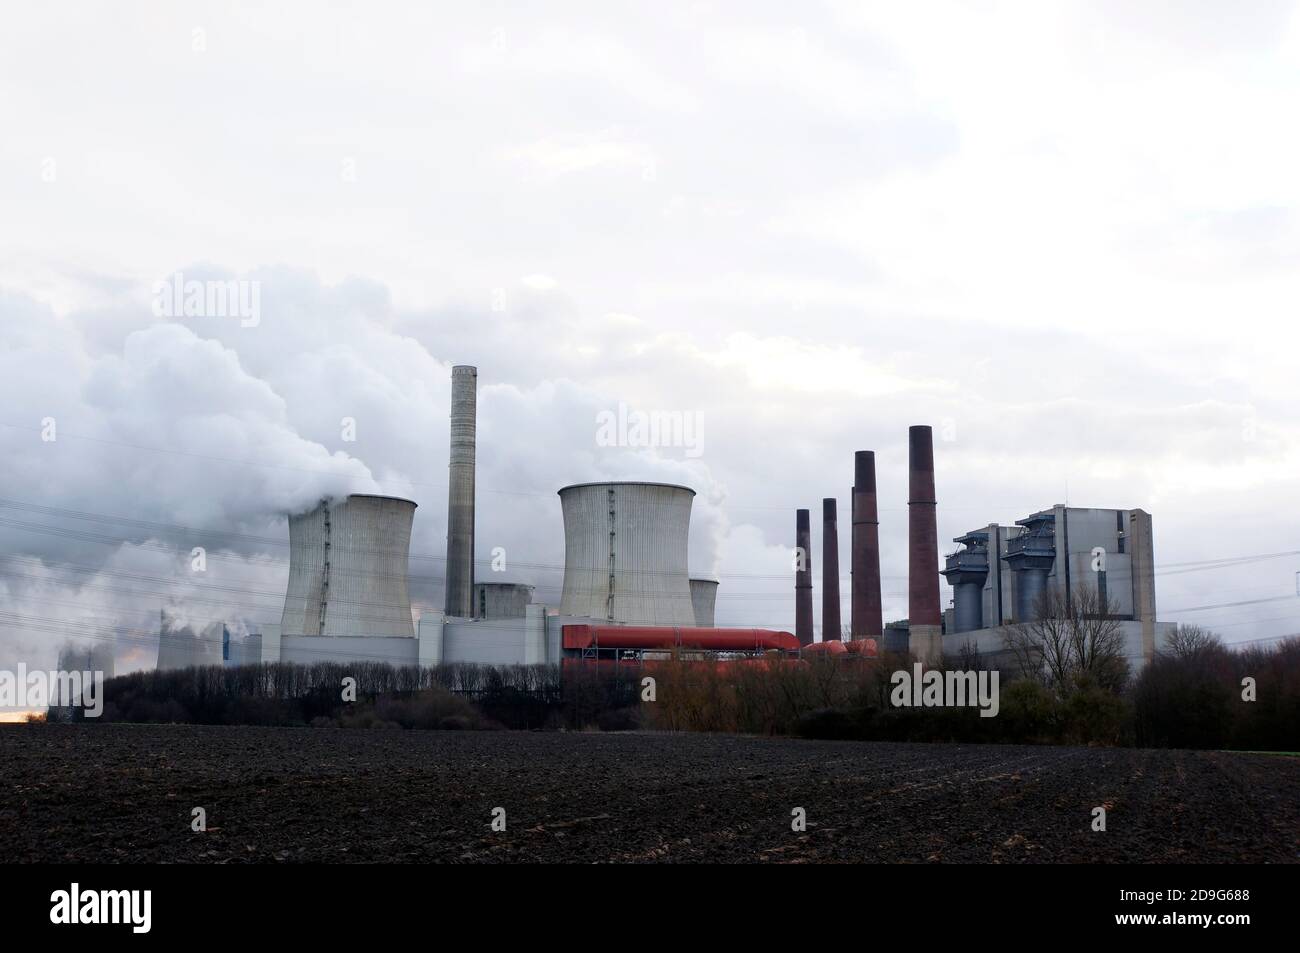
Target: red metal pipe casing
x=585 y=636
x=833 y=647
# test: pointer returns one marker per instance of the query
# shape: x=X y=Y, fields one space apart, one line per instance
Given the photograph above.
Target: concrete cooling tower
x=348 y=569
x=704 y=594
x=625 y=552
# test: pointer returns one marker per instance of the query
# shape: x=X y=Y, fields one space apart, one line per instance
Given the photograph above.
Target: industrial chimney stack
x=803 y=608
x=866 y=620
x=830 y=573
x=460 y=493
x=924 y=621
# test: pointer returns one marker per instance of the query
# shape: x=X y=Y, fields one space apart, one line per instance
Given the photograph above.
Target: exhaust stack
x=924 y=620
x=460 y=494
x=803 y=608
x=830 y=573
x=866 y=620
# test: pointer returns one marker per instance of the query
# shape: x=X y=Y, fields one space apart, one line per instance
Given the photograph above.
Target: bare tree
x=1098 y=637
x=1189 y=641
x=969 y=658
x=1069 y=639
x=1041 y=647
x=826 y=673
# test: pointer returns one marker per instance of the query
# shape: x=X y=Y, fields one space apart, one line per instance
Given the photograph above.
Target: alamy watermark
x=176 y=297
x=129 y=907
x=936 y=689
x=54 y=689
x=651 y=428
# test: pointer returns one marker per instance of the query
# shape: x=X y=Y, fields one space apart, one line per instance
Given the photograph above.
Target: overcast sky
x=1065 y=235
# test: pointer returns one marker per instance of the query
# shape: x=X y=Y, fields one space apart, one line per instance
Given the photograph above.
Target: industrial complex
x=1001 y=574
x=628 y=595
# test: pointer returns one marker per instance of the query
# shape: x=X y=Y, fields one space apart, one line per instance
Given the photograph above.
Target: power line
x=195 y=590
x=984 y=507
x=281 y=542
x=1232 y=605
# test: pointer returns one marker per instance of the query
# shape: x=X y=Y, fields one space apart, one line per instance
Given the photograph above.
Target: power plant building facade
x=1001 y=576
x=182 y=646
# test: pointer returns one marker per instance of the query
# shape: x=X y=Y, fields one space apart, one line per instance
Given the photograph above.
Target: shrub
x=1185 y=701
x=620 y=719
x=424 y=710
x=1027 y=712
x=1192 y=698
x=1093 y=714
x=828 y=723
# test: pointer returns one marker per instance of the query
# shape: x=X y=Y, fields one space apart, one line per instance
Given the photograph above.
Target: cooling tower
x=704 y=599
x=625 y=552
x=460 y=493
x=347 y=569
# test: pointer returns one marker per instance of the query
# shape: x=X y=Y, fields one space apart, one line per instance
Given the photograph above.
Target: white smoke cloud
x=198 y=432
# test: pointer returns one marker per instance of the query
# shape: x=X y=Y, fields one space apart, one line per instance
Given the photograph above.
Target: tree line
x=1063 y=678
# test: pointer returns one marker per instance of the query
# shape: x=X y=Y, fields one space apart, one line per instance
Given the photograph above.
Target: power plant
x=625 y=553
x=1002 y=575
x=628 y=596
x=625 y=568
x=348 y=569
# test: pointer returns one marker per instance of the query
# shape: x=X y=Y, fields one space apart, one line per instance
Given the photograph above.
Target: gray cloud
x=1061 y=233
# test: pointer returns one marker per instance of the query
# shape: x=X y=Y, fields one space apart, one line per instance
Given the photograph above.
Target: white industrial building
x=75 y=657
x=1000 y=572
x=183 y=646
x=501 y=600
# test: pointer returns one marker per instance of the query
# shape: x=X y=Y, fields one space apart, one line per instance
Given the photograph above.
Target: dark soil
x=86 y=793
